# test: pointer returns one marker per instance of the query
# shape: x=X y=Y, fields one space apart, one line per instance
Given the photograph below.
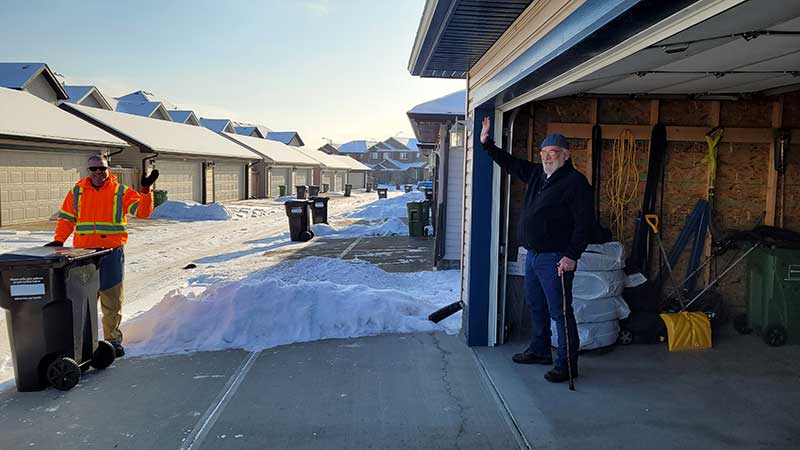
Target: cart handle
x=652 y=221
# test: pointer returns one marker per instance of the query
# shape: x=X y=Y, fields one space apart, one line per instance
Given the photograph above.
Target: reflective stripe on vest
x=134 y=207
x=76 y=198
x=119 y=213
x=66 y=216
x=99 y=227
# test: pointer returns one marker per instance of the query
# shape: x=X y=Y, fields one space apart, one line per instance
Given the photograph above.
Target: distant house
x=336 y=171
x=184 y=116
x=251 y=131
x=36 y=78
x=152 y=110
x=144 y=97
x=287 y=137
x=218 y=125
x=87 y=96
x=358 y=149
x=439 y=127
x=44 y=153
x=330 y=149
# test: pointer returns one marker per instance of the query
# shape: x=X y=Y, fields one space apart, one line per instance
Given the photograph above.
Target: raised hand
x=485 y=130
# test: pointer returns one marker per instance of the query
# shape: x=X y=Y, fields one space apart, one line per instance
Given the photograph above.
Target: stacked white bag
x=597 y=296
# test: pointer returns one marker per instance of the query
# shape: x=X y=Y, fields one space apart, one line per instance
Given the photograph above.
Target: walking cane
x=566 y=332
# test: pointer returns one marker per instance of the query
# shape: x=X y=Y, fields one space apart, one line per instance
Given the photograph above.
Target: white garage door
x=339 y=182
x=229 y=181
x=326 y=179
x=357 y=179
x=280 y=177
x=181 y=179
x=303 y=177
x=33 y=184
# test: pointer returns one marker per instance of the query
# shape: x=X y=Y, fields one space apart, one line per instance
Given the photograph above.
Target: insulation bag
x=592 y=335
x=602 y=257
x=600 y=310
x=593 y=285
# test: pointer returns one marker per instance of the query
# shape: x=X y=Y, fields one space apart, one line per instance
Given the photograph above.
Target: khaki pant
x=111 y=305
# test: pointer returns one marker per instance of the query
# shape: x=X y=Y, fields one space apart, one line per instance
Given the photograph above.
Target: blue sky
x=326 y=68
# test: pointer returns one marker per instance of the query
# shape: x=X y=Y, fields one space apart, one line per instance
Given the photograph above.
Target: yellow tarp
x=687 y=330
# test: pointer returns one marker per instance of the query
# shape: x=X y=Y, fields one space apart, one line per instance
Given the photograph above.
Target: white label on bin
x=27 y=288
x=297 y=210
x=318 y=205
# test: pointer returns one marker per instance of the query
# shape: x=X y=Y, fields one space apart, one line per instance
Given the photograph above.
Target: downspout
x=247 y=167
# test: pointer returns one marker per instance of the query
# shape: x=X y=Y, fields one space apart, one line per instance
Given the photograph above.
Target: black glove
x=148 y=180
x=54 y=244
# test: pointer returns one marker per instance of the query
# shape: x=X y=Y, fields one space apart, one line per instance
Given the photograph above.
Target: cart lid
x=55 y=256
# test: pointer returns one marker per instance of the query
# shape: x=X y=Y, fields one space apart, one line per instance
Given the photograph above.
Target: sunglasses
x=95 y=169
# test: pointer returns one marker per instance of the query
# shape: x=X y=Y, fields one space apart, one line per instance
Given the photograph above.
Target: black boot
x=529 y=357
x=560 y=374
x=119 y=350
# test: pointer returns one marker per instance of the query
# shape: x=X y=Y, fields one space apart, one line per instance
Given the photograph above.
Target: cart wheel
x=775 y=336
x=306 y=236
x=103 y=356
x=625 y=337
x=740 y=324
x=63 y=373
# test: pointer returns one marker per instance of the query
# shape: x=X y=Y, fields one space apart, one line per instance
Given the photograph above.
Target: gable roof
x=217 y=125
x=409 y=143
x=144 y=96
x=249 y=131
x=182 y=116
x=284 y=136
x=162 y=136
x=327 y=161
x=77 y=94
x=29 y=117
x=395 y=165
x=144 y=109
x=449 y=105
x=273 y=151
x=19 y=75
x=358 y=146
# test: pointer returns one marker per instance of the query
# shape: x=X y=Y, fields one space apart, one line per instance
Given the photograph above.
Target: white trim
x=494 y=247
x=680 y=21
x=424 y=25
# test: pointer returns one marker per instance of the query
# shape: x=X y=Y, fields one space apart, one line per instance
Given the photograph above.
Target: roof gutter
x=436 y=15
x=142 y=147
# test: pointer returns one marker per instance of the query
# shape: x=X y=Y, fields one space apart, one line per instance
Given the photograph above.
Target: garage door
x=181 y=179
x=339 y=182
x=229 y=181
x=326 y=179
x=280 y=177
x=303 y=177
x=357 y=179
x=33 y=184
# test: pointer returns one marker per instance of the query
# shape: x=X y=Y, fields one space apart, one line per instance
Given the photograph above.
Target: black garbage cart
x=299 y=228
x=319 y=209
x=50 y=298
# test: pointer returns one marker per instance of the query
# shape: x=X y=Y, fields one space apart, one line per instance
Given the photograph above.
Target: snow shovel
x=685 y=330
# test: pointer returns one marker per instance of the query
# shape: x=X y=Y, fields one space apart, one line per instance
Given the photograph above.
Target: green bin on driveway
x=281 y=191
x=159 y=197
x=417 y=218
x=773 y=286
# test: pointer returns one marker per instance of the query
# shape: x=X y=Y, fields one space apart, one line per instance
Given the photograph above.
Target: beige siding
x=42 y=89
x=338 y=182
x=181 y=179
x=303 y=177
x=33 y=184
x=455 y=199
x=229 y=181
x=358 y=180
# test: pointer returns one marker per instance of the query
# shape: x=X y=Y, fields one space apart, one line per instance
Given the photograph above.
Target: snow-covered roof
x=144 y=109
x=249 y=131
x=163 y=136
x=78 y=94
x=450 y=105
x=402 y=166
x=358 y=146
x=409 y=143
x=274 y=151
x=398 y=144
x=284 y=136
x=354 y=164
x=217 y=125
x=144 y=96
x=17 y=76
x=181 y=115
x=26 y=116
x=327 y=161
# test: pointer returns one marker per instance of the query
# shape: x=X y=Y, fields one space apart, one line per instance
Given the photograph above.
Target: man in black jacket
x=555 y=228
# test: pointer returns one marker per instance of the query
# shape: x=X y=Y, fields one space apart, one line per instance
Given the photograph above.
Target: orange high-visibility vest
x=97 y=216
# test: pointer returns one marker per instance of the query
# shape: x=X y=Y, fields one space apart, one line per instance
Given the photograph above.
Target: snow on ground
x=188 y=211
x=229 y=259
x=387 y=207
x=304 y=300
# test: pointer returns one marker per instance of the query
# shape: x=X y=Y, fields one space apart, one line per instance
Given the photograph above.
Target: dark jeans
x=543 y=294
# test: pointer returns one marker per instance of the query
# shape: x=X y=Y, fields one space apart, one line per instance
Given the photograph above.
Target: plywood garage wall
x=742 y=174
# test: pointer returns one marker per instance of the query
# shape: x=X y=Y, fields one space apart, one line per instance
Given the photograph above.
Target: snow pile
x=188 y=211
x=11 y=241
x=249 y=212
x=387 y=207
x=390 y=227
x=309 y=299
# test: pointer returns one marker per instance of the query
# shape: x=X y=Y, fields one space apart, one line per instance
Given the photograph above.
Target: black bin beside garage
x=301 y=191
x=348 y=188
x=313 y=191
x=382 y=193
x=299 y=228
x=319 y=209
x=50 y=294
